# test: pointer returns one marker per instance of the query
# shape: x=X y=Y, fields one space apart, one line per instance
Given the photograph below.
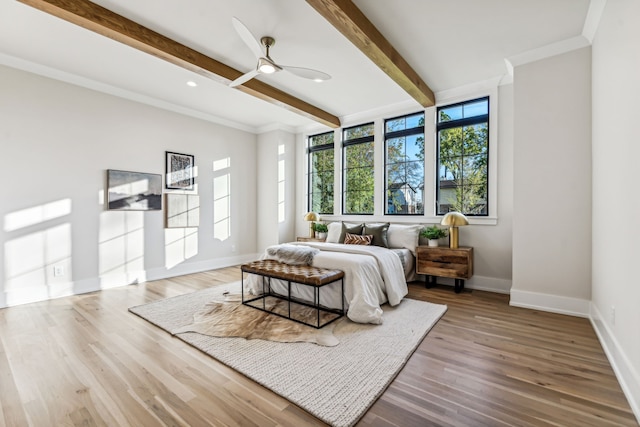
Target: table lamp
x=311 y=217
x=454 y=220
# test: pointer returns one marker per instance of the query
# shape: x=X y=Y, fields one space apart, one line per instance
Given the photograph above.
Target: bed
x=374 y=275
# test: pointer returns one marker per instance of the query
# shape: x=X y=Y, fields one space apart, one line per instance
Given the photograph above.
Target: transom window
x=321 y=173
x=358 y=173
x=404 y=164
x=463 y=158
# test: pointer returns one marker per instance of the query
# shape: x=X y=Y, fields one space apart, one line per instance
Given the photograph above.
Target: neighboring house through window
x=463 y=158
x=358 y=173
x=404 y=164
x=321 y=173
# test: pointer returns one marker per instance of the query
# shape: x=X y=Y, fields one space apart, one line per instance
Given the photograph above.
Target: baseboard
x=551 y=303
x=26 y=296
x=627 y=376
x=198 y=267
x=480 y=283
x=489 y=284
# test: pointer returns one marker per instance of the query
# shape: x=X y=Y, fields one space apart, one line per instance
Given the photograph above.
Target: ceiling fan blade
x=247 y=37
x=244 y=78
x=307 y=73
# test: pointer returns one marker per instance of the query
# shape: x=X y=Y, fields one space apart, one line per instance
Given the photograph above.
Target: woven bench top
x=304 y=274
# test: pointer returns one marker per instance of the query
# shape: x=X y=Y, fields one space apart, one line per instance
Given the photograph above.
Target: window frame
x=310 y=151
x=401 y=133
x=469 y=121
x=348 y=143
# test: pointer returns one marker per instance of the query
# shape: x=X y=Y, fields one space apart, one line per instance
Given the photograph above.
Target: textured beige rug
x=346 y=378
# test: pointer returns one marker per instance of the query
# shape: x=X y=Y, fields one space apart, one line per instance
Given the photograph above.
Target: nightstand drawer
x=445 y=262
x=309 y=239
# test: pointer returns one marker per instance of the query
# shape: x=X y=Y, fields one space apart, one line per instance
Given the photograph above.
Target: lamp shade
x=311 y=216
x=454 y=219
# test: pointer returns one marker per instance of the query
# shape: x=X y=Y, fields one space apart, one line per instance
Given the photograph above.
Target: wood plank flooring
x=86 y=361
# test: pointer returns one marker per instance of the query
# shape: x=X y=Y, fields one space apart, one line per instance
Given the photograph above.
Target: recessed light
x=192 y=83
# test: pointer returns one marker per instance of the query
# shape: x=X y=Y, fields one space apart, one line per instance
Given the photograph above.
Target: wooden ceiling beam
x=107 y=23
x=351 y=22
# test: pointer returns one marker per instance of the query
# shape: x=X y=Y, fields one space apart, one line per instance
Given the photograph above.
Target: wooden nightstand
x=309 y=239
x=445 y=262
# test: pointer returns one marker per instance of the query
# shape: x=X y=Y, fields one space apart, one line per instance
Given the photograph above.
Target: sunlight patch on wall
x=281 y=184
x=180 y=245
x=38 y=265
x=37 y=215
x=121 y=249
x=222 y=199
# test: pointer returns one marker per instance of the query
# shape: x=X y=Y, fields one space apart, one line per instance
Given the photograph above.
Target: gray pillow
x=379 y=233
x=351 y=229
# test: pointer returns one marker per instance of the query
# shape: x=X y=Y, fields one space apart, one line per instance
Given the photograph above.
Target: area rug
x=337 y=384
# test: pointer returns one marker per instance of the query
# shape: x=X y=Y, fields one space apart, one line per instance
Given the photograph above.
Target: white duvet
x=373 y=276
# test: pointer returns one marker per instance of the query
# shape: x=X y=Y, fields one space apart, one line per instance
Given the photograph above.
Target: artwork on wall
x=183 y=210
x=180 y=171
x=134 y=191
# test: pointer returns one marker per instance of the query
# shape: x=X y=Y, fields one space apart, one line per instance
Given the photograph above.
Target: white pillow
x=404 y=236
x=333 y=235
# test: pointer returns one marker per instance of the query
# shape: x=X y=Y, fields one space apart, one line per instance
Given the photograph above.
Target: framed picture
x=134 y=191
x=180 y=171
x=182 y=210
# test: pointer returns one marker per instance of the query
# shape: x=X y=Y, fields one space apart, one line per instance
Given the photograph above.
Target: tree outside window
x=463 y=157
x=404 y=160
x=358 y=172
x=321 y=173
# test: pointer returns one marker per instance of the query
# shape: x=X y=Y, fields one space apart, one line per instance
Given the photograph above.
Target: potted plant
x=433 y=233
x=321 y=230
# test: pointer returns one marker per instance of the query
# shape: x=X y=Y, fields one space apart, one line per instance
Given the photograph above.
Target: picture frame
x=182 y=210
x=179 y=171
x=133 y=191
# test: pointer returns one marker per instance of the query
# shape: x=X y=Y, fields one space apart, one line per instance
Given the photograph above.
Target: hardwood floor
x=85 y=360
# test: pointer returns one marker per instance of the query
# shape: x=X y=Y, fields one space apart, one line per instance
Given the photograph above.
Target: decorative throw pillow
x=333 y=235
x=379 y=233
x=357 y=239
x=350 y=228
x=404 y=236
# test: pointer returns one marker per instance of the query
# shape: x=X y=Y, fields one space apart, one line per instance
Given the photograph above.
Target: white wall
x=276 y=188
x=57 y=142
x=552 y=184
x=616 y=201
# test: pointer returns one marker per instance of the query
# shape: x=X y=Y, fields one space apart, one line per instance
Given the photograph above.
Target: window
x=357 y=174
x=321 y=173
x=404 y=164
x=463 y=158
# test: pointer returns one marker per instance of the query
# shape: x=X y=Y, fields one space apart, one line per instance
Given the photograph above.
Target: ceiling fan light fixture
x=266 y=67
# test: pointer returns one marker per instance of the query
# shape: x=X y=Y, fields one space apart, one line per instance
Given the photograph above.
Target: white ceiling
x=448 y=43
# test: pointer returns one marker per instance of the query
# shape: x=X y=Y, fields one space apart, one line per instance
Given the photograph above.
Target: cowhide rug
x=226 y=316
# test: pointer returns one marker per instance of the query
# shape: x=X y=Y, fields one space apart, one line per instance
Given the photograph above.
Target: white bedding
x=373 y=276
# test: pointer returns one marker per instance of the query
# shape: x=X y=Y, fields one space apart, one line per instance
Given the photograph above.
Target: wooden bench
x=305 y=275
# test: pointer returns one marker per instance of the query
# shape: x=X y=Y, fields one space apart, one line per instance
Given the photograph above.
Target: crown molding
x=547 y=51
x=63 y=76
x=592 y=22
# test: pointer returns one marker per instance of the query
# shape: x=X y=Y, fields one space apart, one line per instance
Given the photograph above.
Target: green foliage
x=405 y=165
x=322 y=174
x=433 y=233
x=463 y=160
x=359 y=177
x=320 y=228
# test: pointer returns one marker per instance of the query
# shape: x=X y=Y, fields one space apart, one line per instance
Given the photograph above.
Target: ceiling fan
x=265 y=64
